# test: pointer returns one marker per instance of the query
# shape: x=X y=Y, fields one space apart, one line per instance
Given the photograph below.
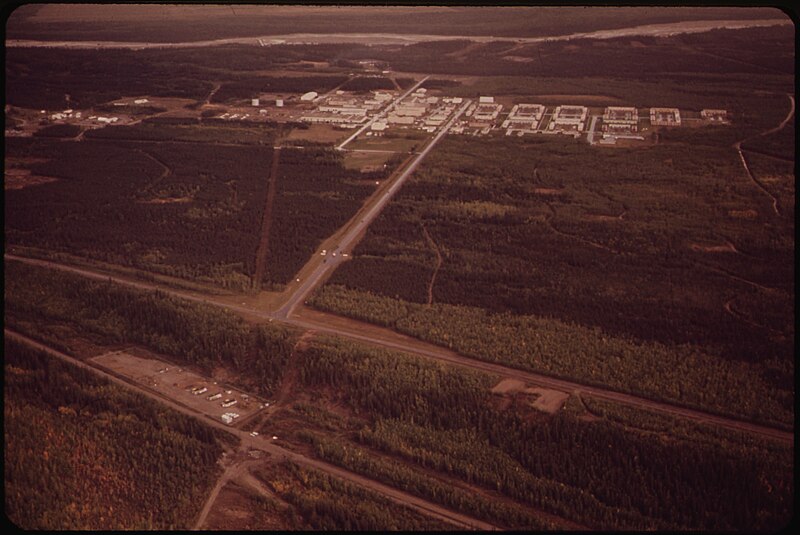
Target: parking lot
x=203 y=394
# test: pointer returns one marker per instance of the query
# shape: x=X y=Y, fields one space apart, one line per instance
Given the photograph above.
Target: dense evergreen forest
x=81 y=453
x=553 y=236
x=659 y=269
x=38 y=301
x=320 y=502
x=191 y=210
x=603 y=472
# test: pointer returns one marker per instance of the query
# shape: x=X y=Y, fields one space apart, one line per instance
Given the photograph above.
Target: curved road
x=738 y=147
x=263 y=444
x=396 y=341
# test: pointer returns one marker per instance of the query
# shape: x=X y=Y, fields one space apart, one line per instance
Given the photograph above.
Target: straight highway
x=395 y=341
x=383 y=112
x=351 y=236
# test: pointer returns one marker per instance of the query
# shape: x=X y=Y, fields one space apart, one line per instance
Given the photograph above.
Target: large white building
x=566 y=118
x=619 y=119
x=524 y=116
x=308 y=97
x=665 y=117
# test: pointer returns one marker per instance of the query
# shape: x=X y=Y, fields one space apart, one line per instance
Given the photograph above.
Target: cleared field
x=178 y=383
x=320 y=133
x=401 y=142
x=366 y=160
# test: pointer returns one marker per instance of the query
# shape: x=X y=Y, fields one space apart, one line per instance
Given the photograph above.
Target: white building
x=665 y=117
x=254 y=102
x=524 y=116
x=308 y=97
x=410 y=109
x=485 y=100
x=619 y=119
x=569 y=118
x=349 y=110
x=714 y=115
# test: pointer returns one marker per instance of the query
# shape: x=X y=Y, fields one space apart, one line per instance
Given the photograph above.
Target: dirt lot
x=364 y=161
x=318 y=132
x=583 y=99
x=508 y=386
x=549 y=401
x=22 y=178
x=546 y=400
x=176 y=383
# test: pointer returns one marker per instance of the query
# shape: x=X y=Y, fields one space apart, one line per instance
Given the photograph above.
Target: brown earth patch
x=717 y=248
x=547 y=191
x=170 y=200
x=518 y=59
x=600 y=217
x=549 y=401
x=580 y=98
x=22 y=178
x=743 y=214
x=508 y=386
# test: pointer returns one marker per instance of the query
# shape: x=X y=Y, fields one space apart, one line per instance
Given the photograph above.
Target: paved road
x=590 y=135
x=265 y=444
x=386 y=110
x=394 y=341
x=349 y=239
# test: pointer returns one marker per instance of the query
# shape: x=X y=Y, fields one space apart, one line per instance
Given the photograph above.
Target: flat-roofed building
x=665 y=117
x=526 y=116
x=568 y=119
x=410 y=109
x=569 y=115
x=486 y=112
x=333 y=118
x=486 y=100
x=348 y=110
x=620 y=119
x=719 y=116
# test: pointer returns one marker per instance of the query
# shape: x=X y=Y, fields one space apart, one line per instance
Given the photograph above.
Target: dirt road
x=740 y=150
x=267 y=445
x=336 y=325
x=266 y=221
